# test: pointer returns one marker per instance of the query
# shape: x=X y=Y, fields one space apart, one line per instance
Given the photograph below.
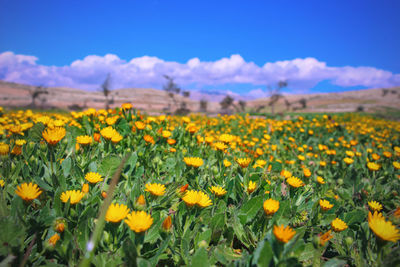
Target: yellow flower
x=348 y=161
x=259 y=163
x=385 y=230
x=193 y=161
x=218 y=191
x=283 y=234
x=294 y=182
x=108 y=132
x=139 y=221
x=155 y=189
x=372 y=166
x=396 y=165
x=149 y=139
x=199 y=198
x=387 y=154
x=301 y=157
x=116 y=138
x=116 y=212
x=286 y=174
x=226 y=138
x=28 y=192
x=320 y=180
x=243 y=162
x=325 y=204
x=74 y=196
x=325 y=238
x=20 y=142
x=126 y=106
x=227 y=163
x=375 y=206
x=350 y=153
x=84 y=140
x=322 y=163
x=171 y=141
x=53 y=239
x=2 y=183
x=375 y=156
x=4 y=149
x=307 y=172
x=93 y=177
x=338 y=225
x=252 y=186
x=271 y=206
x=140 y=125
x=54 y=135
x=166 y=134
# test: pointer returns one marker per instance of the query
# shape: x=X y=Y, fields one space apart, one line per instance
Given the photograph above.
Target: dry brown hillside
x=370 y=100
x=156 y=101
x=147 y=99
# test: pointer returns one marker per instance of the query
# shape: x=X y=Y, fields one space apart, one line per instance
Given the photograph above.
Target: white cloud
x=89 y=72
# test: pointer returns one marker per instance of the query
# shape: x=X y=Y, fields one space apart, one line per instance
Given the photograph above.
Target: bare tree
x=275 y=94
x=106 y=89
x=36 y=93
x=288 y=104
x=203 y=105
x=171 y=88
x=226 y=102
x=242 y=105
x=303 y=103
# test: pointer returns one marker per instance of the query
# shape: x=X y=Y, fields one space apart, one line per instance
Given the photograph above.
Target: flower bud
x=203 y=244
x=167 y=224
x=340 y=181
x=349 y=241
x=85 y=188
x=60 y=228
x=43 y=146
x=96 y=137
x=104 y=194
x=141 y=202
x=53 y=240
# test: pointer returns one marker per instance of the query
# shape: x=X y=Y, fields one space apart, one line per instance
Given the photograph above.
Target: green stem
x=91 y=245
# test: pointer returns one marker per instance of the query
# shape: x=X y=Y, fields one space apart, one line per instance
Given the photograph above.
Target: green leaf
x=205 y=235
x=42 y=184
x=334 y=262
x=161 y=249
x=66 y=166
x=250 y=209
x=200 y=258
x=217 y=221
x=153 y=234
x=263 y=254
x=276 y=167
x=143 y=263
x=355 y=216
x=307 y=253
x=109 y=165
x=328 y=218
x=35 y=133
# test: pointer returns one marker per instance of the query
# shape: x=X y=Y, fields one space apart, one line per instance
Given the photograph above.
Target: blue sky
x=236 y=46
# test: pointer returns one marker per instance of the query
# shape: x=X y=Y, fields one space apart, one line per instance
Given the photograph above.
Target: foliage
x=233 y=230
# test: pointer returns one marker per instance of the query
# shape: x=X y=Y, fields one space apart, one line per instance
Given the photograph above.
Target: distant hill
x=156 y=101
x=370 y=100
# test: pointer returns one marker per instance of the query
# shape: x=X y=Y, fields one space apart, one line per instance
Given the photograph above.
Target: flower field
x=119 y=188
